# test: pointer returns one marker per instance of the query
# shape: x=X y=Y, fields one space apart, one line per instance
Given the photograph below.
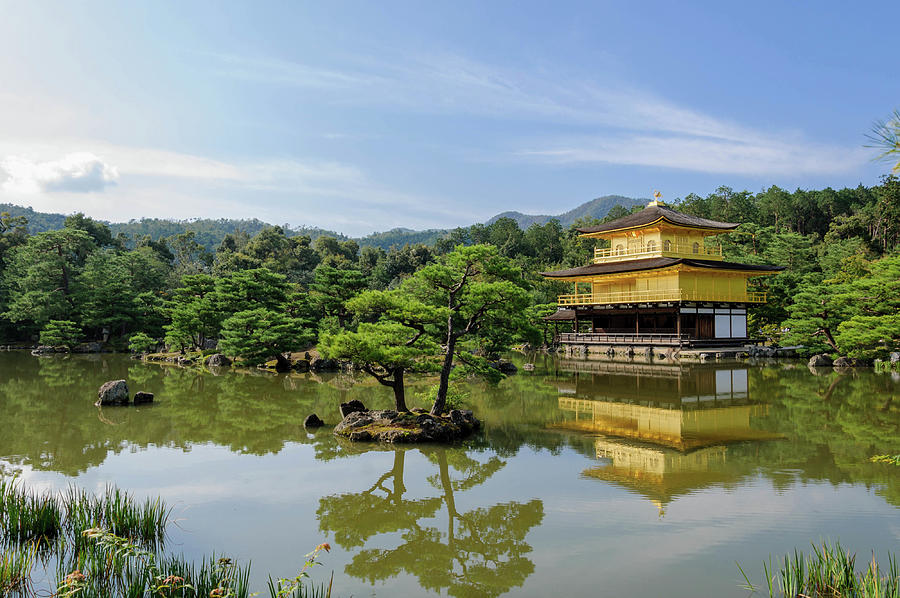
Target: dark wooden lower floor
x=682 y=324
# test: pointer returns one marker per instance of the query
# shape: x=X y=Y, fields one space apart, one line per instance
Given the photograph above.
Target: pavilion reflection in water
x=662 y=430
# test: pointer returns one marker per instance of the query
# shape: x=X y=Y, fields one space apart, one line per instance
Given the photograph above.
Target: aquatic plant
x=294 y=588
x=15 y=569
x=892 y=459
x=44 y=516
x=27 y=516
x=829 y=572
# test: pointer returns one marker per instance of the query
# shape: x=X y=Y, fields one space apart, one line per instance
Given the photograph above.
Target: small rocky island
x=387 y=425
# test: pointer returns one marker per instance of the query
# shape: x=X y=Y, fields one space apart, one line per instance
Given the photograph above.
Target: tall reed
x=109 y=546
x=15 y=570
x=830 y=572
x=28 y=516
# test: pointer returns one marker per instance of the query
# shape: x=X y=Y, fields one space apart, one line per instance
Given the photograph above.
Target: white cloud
x=79 y=172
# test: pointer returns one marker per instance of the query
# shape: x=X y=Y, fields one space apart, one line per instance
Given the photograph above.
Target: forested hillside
x=840 y=291
x=211 y=232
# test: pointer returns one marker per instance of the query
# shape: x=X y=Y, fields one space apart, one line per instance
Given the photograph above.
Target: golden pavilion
x=662 y=281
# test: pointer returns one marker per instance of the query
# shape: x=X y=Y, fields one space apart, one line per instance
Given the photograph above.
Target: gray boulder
x=218 y=360
x=528 y=367
x=820 y=361
x=895 y=357
x=353 y=406
x=847 y=362
x=142 y=398
x=313 y=421
x=114 y=392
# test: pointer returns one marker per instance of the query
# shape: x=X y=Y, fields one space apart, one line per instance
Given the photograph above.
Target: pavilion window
x=667 y=245
x=620 y=249
x=651 y=246
x=696 y=248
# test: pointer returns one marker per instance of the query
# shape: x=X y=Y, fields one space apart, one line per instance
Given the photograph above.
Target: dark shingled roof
x=654 y=264
x=651 y=214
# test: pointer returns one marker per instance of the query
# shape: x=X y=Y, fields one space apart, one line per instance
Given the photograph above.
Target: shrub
x=60 y=333
x=141 y=342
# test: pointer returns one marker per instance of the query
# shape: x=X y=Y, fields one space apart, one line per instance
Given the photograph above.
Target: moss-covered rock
x=406 y=427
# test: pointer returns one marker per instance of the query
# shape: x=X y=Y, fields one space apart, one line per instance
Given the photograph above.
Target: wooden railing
x=602 y=256
x=604 y=338
x=660 y=295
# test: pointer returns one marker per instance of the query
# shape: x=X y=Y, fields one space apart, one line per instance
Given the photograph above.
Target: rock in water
x=391 y=426
x=847 y=362
x=352 y=407
x=313 y=421
x=819 y=361
x=114 y=392
x=142 y=398
x=218 y=360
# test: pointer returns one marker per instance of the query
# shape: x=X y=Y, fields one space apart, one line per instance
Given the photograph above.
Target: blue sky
x=367 y=116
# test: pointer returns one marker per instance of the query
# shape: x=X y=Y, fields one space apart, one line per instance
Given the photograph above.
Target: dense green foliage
x=838 y=292
x=60 y=333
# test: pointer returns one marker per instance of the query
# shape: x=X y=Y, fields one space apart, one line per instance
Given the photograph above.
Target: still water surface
x=590 y=478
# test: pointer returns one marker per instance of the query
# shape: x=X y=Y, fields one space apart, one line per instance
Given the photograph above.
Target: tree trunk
x=830 y=339
x=399 y=390
x=441 y=399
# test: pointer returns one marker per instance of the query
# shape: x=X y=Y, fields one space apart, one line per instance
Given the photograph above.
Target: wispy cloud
x=623 y=124
x=713 y=155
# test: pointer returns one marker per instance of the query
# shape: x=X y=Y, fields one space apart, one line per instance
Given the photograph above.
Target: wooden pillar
x=637 y=322
x=678 y=321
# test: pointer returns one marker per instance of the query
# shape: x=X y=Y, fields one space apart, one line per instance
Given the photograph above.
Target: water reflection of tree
x=480 y=552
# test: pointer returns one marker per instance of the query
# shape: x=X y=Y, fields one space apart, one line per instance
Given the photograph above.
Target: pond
x=589 y=479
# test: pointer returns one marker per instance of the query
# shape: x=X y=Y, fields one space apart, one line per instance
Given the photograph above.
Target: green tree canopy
x=60 y=333
x=260 y=334
x=394 y=341
x=41 y=276
x=484 y=297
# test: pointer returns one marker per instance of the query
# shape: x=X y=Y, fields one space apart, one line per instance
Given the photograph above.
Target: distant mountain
x=596 y=208
x=210 y=232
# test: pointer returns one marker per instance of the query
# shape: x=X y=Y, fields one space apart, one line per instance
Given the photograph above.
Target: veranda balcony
x=657 y=296
x=695 y=250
